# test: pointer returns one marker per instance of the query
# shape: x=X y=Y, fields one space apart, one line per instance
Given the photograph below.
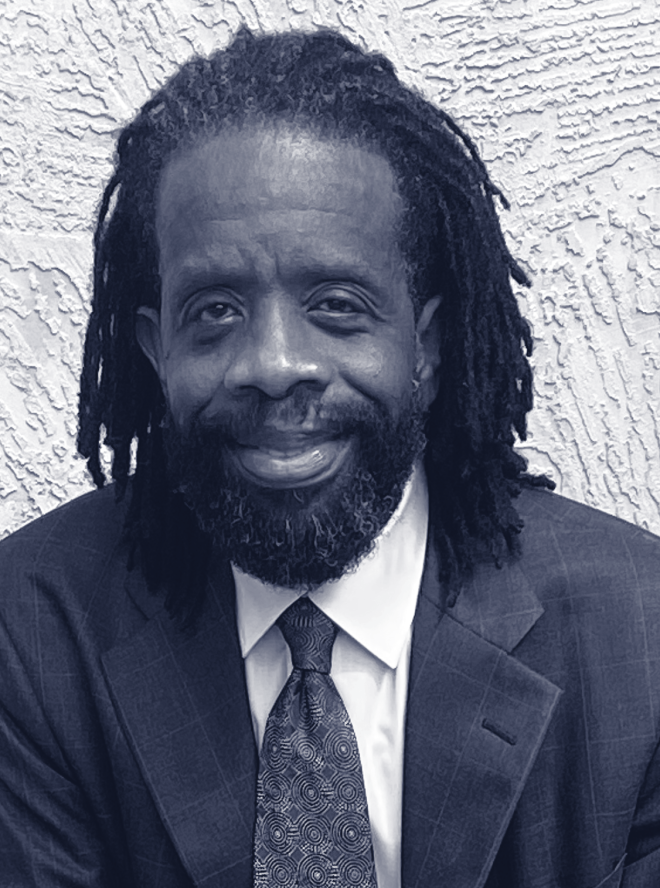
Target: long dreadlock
x=450 y=238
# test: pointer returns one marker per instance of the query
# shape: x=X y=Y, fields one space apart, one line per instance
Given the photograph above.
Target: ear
x=147 y=332
x=427 y=335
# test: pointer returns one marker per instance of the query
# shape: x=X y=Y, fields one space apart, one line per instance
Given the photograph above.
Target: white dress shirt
x=374 y=607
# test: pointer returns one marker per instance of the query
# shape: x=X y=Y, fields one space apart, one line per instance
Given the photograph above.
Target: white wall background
x=563 y=99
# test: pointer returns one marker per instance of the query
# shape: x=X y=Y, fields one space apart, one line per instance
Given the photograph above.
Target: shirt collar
x=374 y=603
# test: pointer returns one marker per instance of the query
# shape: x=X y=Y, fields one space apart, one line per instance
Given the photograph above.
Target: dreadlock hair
x=450 y=238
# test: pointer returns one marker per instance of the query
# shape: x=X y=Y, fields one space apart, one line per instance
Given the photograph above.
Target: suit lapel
x=476 y=718
x=183 y=704
x=475 y=721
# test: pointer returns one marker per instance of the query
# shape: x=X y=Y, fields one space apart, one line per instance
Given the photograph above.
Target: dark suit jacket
x=126 y=751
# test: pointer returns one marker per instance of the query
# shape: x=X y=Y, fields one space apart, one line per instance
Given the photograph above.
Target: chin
x=298 y=537
x=302 y=538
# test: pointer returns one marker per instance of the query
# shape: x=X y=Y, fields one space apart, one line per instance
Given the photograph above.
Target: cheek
x=383 y=370
x=191 y=383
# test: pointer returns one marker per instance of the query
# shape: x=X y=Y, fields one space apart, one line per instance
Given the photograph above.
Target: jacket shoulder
x=92 y=521
x=73 y=560
x=573 y=536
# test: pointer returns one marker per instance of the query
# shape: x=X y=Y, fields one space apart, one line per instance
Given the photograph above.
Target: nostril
x=275 y=374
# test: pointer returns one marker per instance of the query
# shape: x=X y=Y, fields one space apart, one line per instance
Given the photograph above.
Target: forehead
x=257 y=172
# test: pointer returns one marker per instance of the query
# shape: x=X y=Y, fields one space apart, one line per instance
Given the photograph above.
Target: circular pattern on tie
x=355 y=873
x=341 y=750
x=313 y=832
x=310 y=792
x=348 y=791
x=350 y=832
x=317 y=871
x=281 y=871
x=275 y=831
x=275 y=789
x=306 y=751
x=277 y=749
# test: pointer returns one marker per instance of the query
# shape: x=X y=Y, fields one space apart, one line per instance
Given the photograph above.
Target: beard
x=298 y=538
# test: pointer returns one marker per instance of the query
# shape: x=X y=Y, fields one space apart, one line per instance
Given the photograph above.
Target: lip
x=300 y=464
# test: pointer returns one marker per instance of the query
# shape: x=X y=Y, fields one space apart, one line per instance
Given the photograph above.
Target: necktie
x=312 y=827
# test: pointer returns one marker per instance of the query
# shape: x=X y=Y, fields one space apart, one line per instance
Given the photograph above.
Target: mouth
x=296 y=463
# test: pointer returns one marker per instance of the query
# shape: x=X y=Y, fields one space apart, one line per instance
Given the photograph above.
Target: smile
x=300 y=465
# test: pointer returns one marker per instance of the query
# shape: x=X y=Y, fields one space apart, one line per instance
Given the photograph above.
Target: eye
x=212 y=309
x=217 y=312
x=338 y=302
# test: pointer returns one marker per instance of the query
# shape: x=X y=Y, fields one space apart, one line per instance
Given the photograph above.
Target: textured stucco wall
x=563 y=99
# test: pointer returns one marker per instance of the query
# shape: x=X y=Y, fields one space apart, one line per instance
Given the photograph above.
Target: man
x=328 y=631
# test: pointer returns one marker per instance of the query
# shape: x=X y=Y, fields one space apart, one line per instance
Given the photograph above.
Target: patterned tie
x=312 y=827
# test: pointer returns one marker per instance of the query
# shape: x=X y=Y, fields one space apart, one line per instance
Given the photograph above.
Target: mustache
x=302 y=411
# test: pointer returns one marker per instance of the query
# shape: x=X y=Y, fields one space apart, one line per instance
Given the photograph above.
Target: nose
x=276 y=351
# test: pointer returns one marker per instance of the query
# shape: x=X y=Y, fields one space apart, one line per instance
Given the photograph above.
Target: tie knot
x=309 y=634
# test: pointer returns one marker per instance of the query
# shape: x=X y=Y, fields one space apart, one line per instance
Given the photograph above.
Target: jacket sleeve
x=48 y=835
x=54 y=821
x=642 y=868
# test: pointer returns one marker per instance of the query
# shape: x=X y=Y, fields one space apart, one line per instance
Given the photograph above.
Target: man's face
x=286 y=333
